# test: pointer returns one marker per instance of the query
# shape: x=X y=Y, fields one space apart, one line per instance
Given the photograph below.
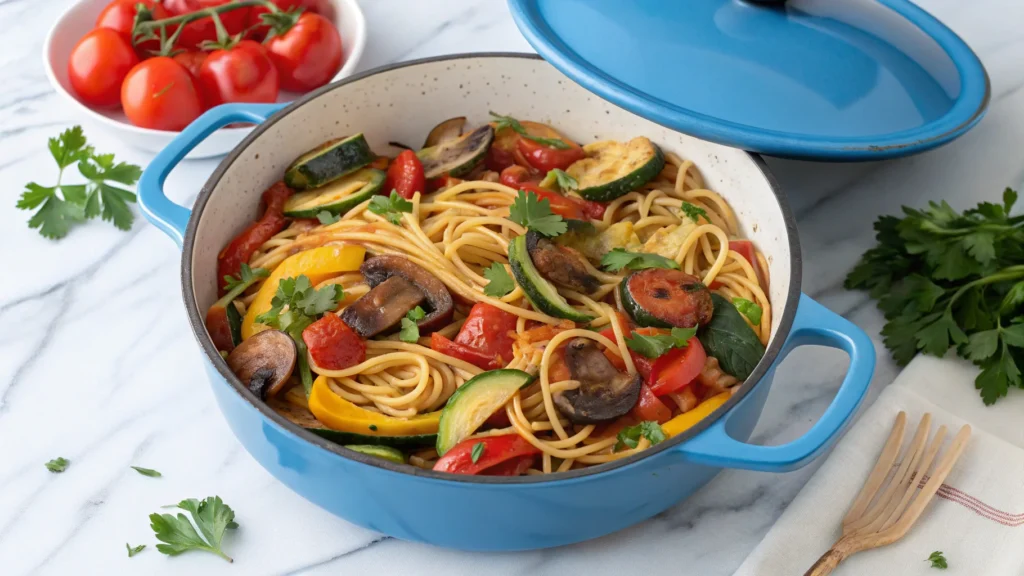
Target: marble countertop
x=98 y=364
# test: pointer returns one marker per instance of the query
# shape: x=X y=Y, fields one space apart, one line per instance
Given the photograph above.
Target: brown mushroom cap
x=382 y=308
x=439 y=301
x=604 y=393
x=264 y=362
x=560 y=264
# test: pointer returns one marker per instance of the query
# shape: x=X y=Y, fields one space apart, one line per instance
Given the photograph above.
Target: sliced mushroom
x=604 y=393
x=393 y=302
x=264 y=362
x=450 y=129
x=560 y=264
x=383 y=307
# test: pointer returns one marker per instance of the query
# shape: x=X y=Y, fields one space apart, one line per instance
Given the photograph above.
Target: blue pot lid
x=816 y=79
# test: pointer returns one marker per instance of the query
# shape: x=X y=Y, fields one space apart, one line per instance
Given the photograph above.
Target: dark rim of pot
x=196 y=317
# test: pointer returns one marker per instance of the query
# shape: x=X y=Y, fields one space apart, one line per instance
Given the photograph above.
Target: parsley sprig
x=212 y=516
x=629 y=437
x=530 y=211
x=410 y=330
x=62 y=205
x=937 y=560
x=619 y=258
x=656 y=345
x=944 y=278
x=510 y=122
x=391 y=207
x=295 y=306
x=500 y=282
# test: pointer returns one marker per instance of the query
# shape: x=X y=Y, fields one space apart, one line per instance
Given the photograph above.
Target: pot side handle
x=814 y=325
x=169 y=217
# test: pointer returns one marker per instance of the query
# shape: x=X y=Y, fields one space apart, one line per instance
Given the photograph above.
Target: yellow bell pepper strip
x=684 y=422
x=317 y=264
x=339 y=414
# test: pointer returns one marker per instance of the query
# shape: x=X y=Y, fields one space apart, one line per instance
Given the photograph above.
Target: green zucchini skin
x=374 y=178
x=538 y=290
x=609 y=191
x=635 y=311
x=459 y=408
x=349 y=438
x=328 y=162
x=729 y=338
x=384 y=452
x=456 y=157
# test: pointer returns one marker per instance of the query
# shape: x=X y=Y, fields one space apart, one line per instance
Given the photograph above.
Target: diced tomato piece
x=677 y=368
x=405 y=176
x=332 y=344
x=242 y=247
x=650 y=407
x=496 y=450
x=439 y=343
x=489 y=330
x=514 y=176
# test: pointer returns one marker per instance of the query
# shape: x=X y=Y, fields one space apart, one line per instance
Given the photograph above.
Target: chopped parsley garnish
x=749 y=309
x=619 y=258
x=477 y=452
x=410 y=331
x=147 y=472
x=212 y=516
x=245 y=276
x=61 y=205
x=58 y=465
x=937 y=560
x=326 y=218
x=510 y=122
x=655 y=346
x=693 y=212
x=530 y=211
x=629 y=437
x=500 y=281
x=133 y=550
x=560 y=179
x=391 y=207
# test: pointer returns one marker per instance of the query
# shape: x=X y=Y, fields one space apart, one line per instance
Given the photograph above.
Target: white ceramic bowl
x=80 y=18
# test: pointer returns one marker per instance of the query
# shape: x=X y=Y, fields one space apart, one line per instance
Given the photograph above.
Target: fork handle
x=828 y=562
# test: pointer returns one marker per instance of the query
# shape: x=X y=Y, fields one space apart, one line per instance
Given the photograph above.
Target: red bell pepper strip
x=746 y=249
x=496 y=450
x=545 y=158
x=405 y=176
x=439 y=343
x=332 y=344
x=485 y=339
x=241 y=248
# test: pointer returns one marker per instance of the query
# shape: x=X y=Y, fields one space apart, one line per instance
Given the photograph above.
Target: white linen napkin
x=976 y=518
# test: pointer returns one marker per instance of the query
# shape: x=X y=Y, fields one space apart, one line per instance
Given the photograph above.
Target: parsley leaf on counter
x=212 y=516
x=655 y=346
x=133 y=550
x=693 y=212
x=510 y=122
x=619 y=258
x=500 y=282
x=629 y=437
x=61 y=205
x=410 y=331
x=147 y=472
x=58 y=465
x=749 y=309
x=937 y=560
x=391 y=207
x=530 y=211
x=245 y=275
x=943 y=279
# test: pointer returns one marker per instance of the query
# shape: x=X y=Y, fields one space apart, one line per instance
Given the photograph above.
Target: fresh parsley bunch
x=948 y=279
x=61 y=205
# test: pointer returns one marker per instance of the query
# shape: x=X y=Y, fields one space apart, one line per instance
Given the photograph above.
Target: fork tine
x=909 y=460
x=880 y=471
x=915 y=480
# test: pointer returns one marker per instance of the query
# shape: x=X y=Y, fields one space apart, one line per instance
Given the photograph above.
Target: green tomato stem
x=152 y=25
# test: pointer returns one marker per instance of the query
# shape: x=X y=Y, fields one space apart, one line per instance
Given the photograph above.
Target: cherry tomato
x=439 y=343
x=405 y=175
x=119 y=15
x=649 y=407
x=191 y=61
x=241 y=247
x=489 y=330
x=159 y=93
x=496 y=450
x=504 y=150
x=308 y=55
x=677 y=368
x=332 y=344
x=98 y=65
x=546 y=158
x=199 y=31
x=514 y=176
x=242 y=73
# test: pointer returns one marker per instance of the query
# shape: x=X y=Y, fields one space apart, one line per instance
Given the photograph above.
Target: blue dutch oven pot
x=473 y=512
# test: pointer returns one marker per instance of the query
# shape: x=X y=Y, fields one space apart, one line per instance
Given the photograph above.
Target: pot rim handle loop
x=166 y=215
x=814 y=325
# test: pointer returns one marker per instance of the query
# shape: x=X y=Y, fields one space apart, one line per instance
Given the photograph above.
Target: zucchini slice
x=541 y=293
x=385 y=452
x=447 y=130
x=303 y=417
x=456 y=157
x=664 y=298
x=337 y=197
x=328 y=161
x=474 y=402
x=612 y=169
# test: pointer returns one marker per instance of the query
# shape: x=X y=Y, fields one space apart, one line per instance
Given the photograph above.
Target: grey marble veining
x=98 y=364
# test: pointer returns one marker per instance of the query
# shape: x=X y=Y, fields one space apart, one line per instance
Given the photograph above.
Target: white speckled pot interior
x=402 y=103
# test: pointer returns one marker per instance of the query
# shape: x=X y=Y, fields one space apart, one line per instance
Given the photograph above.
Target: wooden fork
x=889 y=504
